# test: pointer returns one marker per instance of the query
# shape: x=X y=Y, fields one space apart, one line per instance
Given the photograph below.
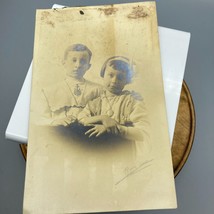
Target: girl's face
x=114 y=80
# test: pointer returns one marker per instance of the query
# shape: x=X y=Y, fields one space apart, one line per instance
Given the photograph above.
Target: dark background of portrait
x=194 y=184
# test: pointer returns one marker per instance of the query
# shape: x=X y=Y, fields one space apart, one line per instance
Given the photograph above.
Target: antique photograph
x=96 y=110
x=98 y=135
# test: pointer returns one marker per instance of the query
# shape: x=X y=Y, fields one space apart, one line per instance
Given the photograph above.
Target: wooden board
x=183 y=135
x=184 y=130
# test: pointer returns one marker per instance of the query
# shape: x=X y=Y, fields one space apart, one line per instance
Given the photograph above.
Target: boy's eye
x=74 y=59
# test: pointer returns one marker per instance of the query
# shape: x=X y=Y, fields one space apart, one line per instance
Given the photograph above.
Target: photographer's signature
x=133 y=170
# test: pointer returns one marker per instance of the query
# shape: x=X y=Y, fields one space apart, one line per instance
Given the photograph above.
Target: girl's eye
x=83 y=61
x=111 y=75
x=120 y=77
x=74 y=59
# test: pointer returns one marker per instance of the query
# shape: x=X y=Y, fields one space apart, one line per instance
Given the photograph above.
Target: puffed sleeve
x=41 y=115
x=85 y=113
x=138 y=130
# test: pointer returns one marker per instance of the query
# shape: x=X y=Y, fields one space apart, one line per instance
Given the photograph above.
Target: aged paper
x=98 y=135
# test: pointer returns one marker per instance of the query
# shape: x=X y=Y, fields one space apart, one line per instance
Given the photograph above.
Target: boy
x=62 y=102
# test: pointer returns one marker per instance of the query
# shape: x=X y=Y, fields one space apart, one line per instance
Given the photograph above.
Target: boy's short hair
x=77 y=47
x=119 y=63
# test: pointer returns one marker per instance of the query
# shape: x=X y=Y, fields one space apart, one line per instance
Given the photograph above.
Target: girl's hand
x=110 y=124
x=96 y=131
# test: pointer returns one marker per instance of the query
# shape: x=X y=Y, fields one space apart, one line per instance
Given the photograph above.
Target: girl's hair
x=119 y=63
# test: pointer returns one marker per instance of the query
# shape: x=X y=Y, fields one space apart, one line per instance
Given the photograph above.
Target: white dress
x=129 y=111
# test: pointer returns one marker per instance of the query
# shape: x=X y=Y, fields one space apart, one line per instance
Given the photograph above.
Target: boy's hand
x=96 y=131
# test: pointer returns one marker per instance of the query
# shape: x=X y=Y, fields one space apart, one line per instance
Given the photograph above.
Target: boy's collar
x=74 y=81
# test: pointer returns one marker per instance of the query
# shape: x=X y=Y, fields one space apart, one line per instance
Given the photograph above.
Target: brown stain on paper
x=45 y=15
x=51 y=23
x=109 y=11
x=138 y=12
x=45 y=18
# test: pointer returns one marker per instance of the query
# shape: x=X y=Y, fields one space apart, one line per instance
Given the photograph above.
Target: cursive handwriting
x=134 y=170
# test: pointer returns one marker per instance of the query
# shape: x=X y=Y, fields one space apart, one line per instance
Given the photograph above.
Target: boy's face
x=114 y=80
x=77 y=63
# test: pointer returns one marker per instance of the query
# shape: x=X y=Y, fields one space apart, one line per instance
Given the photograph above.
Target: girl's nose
x=114 y=79
x=77 y=64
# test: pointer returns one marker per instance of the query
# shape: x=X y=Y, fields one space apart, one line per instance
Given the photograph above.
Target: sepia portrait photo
x=98 y=135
